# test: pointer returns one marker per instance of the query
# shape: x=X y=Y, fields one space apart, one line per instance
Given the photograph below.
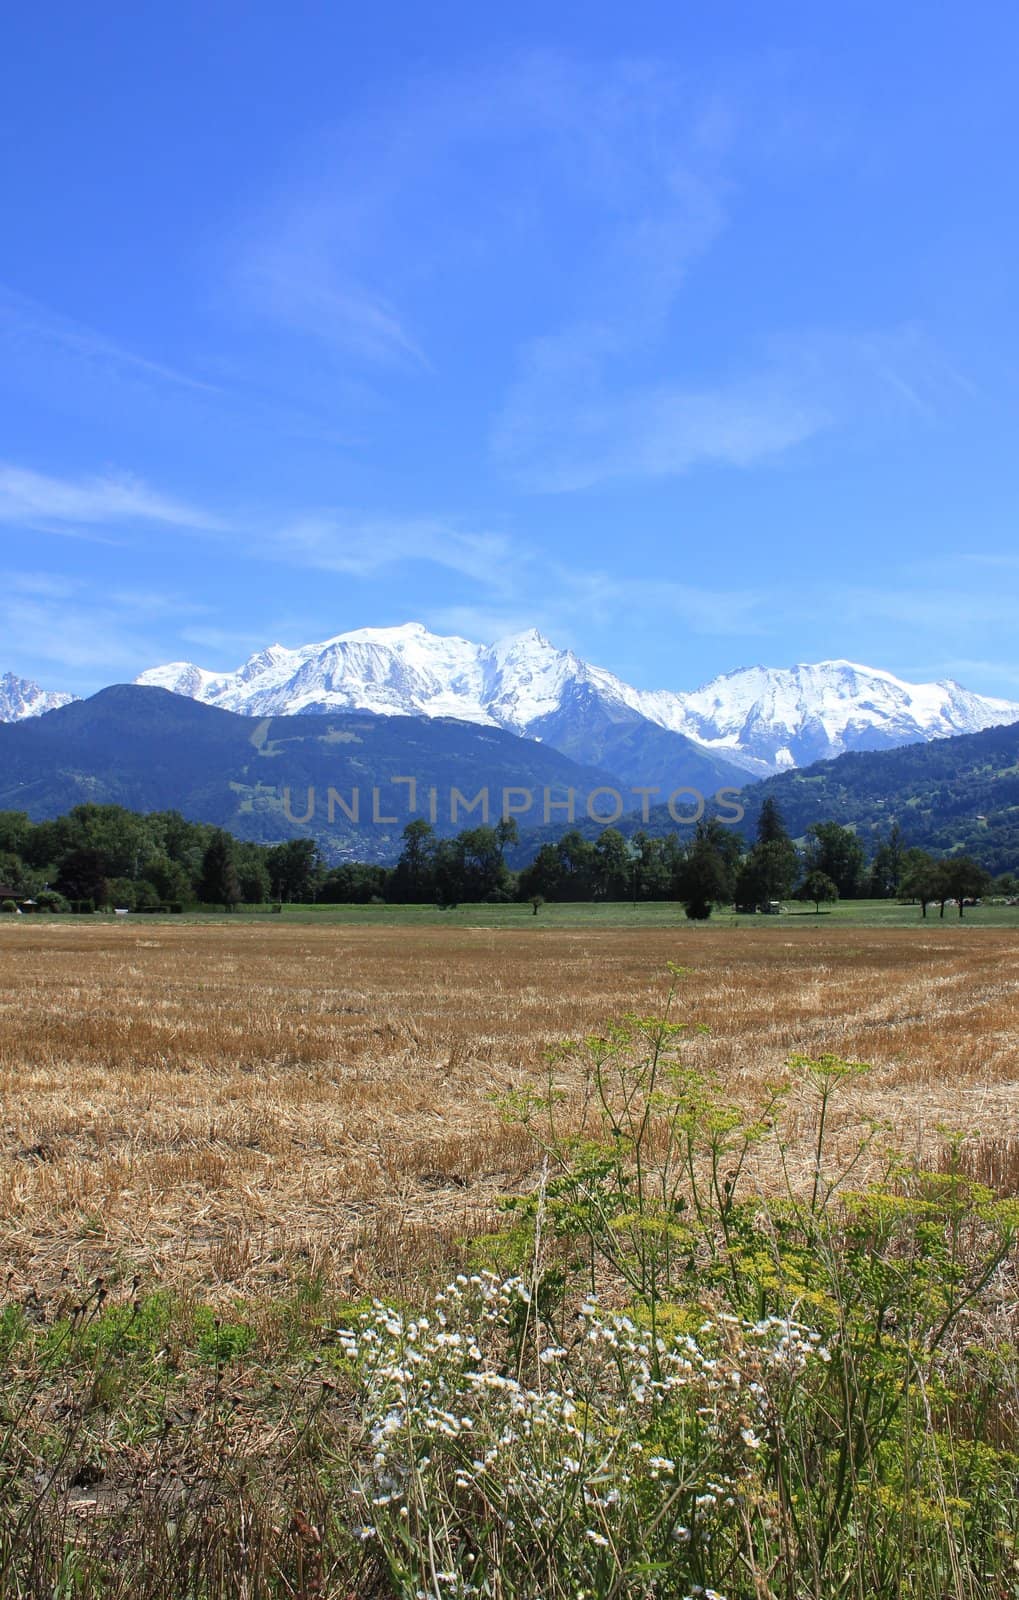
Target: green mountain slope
x=149 y=750
x=951 y=794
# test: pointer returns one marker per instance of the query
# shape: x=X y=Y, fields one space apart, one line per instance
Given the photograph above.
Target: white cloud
x=603 y=598
x=23 y=319
x=44 y=585
x=58 y=504
x=92 y=638
x=360 y=544
x=466 y=171
x=299 y=286
x=572 y=420
x=565 y=427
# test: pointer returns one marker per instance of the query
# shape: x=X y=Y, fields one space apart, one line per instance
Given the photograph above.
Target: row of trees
x=105 y=855
x=100 y=856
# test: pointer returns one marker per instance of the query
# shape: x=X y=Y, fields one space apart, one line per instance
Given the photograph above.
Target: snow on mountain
x=759 y=719
x=21 y=698
x=789 y=717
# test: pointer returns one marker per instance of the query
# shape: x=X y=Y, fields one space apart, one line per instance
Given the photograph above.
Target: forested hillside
x=958 y=794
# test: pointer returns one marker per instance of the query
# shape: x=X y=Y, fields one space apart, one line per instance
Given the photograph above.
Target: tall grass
x=806 y=1393
x=751 y=1353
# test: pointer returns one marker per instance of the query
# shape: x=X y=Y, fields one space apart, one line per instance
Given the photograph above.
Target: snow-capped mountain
x=757 y=720
x=396 y=671
x=789 y=717
x=21 y=698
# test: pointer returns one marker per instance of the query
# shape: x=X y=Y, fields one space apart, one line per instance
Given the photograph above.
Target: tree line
x=102 y=856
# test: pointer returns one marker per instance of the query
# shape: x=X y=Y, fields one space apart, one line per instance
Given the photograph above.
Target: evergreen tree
x=768 y=872
x=771 y=868
x=771 y=827
x=413 y=879
x=705 y=877
x=577 y=866
x=657 y=864
x=219 y=885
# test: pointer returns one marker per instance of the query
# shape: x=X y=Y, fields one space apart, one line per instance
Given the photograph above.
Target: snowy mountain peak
x=795 y=715
x=383 y=636
x=760 y=719
x=21 y=698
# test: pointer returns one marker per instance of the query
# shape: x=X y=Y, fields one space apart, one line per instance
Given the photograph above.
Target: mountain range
x=759 y=720
x=150 y=750
x=342 y=777
x=750 y=723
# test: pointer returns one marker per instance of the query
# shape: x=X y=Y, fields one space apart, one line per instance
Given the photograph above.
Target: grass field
x=625 y=914
x=588 y=914
x=219 y=1134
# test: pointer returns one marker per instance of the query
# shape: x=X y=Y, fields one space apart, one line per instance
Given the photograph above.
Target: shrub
x=8 y=906
x=498 y=1461
x=50 y=900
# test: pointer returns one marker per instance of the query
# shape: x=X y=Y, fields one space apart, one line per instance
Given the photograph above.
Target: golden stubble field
x=218 y=1107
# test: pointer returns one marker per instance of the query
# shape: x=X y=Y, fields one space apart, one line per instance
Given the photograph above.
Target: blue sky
x=684 y=332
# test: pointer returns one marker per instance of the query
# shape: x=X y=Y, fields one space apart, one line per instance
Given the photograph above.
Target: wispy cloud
x=609 y=388
x=63 y=505
x=957 y=612
x=25 y=320
x=571 y=421
x=356 y=543
x=45 y=585
x=603 y=598
x=565 y=426
x=312 y=263
x=298 y=286
x=465 y=174
x=360 y=545
x=77 y=634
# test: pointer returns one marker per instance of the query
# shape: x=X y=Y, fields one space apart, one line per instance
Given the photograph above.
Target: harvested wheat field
x=216 y=1107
